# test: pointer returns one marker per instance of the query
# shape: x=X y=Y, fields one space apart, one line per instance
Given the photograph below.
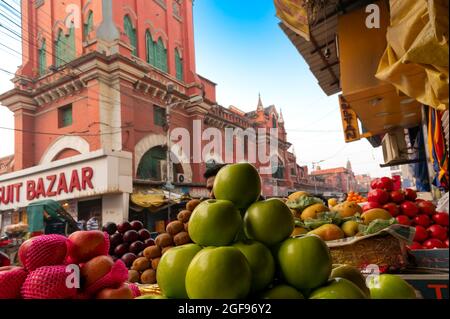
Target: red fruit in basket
x=130 y=236
x=95 y=269
x=371 y=205
x=410 y=194
x=128 y=259
x=84 y=245
x=144 y=234
x=392 y=209
x=136 y=247
x=386 y=183
x=422 y=220
x=121 y=250
x=438 y=232
x=441 y=219
x=45 y=250
x=433 y=243
x=426 y=207
x=136 y=225
x=378 y=195
x=403 y=220
x=397 y=196
x=409 y=209
x=115 y=239
x=421 y=234
x=123 y=227
x=415 y=245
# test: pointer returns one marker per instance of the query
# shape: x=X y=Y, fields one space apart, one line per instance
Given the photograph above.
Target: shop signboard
x=87 y=175
x=349 y=121
x=294 y=15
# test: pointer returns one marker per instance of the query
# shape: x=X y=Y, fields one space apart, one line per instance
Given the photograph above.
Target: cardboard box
x=430 y=286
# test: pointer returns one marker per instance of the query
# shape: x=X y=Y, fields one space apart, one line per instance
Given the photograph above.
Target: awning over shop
x=416 y=58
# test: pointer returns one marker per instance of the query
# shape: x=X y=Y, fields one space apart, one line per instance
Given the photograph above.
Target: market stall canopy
x=416 y=58
x=320 y=52
x=36 y=211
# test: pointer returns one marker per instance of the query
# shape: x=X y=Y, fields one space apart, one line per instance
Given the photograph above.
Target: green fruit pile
x=242 y=249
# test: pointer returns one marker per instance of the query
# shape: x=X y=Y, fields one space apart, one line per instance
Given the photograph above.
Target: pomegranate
x=433 y=243
x=371 y=205
x=409 y=209
x=422 y=220
x=378 y=195
x=410 y=194
x=438 y=232
x=403 y=220
x=426 y=207
x=421 y=234
x=397 y=196
x=392 y=209
x=441 y=219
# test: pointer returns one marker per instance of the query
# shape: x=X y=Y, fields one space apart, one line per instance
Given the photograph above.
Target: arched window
x=131 y=33
x=88 y=25
x=150 y=166
x=278 y=169
x=274 y=121
x=161 y=56
x=42 y=59
x=151 y=47
x=65 y=47
x=179 y=65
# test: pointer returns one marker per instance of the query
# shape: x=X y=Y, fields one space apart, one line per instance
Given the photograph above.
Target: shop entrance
x=88 y=209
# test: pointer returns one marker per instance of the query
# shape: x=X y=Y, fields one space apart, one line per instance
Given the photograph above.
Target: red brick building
x=90 y=105
x=341 y=178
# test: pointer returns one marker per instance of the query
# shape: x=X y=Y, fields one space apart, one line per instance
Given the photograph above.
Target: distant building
x=363 y=183
x=341 y=178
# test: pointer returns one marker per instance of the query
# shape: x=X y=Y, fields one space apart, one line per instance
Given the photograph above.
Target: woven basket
x=386 y=251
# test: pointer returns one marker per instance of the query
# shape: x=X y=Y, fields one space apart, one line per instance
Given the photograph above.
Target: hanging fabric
x=416 y=58
x=438 y=151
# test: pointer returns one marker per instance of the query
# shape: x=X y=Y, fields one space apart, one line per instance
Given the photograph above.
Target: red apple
x=409 y=209
x=136 y=247
x=386 y=183
x=441 y=219
x=397 y=196
x=130 y=236
x=123 y=227
x=415 y=245
x=85 y=245
x=426 y=207
x=421 y=234
x=136 y=225
x=371 y=205
x=438 y=232
x=116 y=239
x=144 y=234
x=403 y=220
x=422 y=220
x=128 y=259
x=378 y=195
x=433 y=243
x=121 y=250
x=410 y=194
x=392 y=209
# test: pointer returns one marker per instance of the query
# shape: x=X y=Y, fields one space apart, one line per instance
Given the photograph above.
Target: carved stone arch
x=128 y=11
x=40 y=38
x=76 y=143
x=154 y=140
x=179 y=47
x=59 y=25
x=86 y=9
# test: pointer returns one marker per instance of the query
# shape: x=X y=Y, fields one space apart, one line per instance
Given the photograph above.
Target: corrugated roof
x=325 y=67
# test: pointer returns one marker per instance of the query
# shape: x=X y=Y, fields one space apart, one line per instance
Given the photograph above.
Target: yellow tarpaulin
x=416 y=58
x=294 y=16
x=148 y=200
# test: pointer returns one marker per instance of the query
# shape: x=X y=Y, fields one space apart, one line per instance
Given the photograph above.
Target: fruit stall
x=282 y=248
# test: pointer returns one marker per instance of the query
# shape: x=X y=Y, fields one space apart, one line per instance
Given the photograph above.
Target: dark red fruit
x=386 y=183
x=397 y=197
x=410 y=194
x=409 y=209
x=371 y=205
x=421 y=234
x=441 y=219
x=415 y=245
x=378 y=195
x=136 y=247
x=426 y=207
x=433 y=243
x=130 y=236
x=422 y=220
x=136 y=225
x=438 y=232
x=128 y=259
x=144 y=234
x=115 y=239
x=123 y=227
x=403 y=220
x=392 y=209
x=121 y=250
x=110 y=228
x=149 y=242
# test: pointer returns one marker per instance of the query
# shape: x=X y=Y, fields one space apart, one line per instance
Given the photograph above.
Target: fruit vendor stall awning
x=416 y=58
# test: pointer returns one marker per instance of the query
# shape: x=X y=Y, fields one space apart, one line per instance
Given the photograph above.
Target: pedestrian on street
x=92 y=224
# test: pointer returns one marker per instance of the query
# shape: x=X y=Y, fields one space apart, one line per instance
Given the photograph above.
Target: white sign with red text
x=82 y=176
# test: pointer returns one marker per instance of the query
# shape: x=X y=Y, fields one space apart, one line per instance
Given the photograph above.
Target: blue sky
x=240 y=46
